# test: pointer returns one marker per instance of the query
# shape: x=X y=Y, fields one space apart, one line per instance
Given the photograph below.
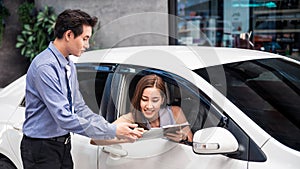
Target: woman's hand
x=179 y=136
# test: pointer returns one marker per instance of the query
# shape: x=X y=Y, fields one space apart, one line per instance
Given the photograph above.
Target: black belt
x=61 y=139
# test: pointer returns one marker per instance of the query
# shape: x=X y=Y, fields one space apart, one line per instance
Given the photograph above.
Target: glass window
x=272 y=26
x=268 y=91
x=92 y=79
x=197 y=108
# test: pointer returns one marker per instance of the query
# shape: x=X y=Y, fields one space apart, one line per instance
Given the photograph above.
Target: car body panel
x=82 y=150
x=276 y=156
x=14 y=134
x=11 y=115
x=10 y=98
x=189 y=56
x=179 y=156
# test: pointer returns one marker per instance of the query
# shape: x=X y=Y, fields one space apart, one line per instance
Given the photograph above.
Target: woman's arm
x=185 y=134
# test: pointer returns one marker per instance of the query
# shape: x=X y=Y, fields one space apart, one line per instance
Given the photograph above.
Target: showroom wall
x=122 y=22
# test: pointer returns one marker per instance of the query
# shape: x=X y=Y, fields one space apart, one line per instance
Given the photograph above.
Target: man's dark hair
x=73 y=20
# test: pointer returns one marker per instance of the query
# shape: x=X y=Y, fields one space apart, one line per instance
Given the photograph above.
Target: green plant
x=26 y=12
x=3 y=14
x=35 y=37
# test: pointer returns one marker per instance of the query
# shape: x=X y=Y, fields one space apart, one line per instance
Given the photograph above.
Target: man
x=54 y=105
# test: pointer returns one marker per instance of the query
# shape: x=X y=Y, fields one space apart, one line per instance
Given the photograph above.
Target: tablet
x=173 y=128
x=153 y=133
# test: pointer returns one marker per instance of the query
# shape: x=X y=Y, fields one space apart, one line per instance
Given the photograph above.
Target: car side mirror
x=214 y=140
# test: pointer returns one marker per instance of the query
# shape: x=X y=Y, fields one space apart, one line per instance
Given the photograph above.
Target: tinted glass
x=92 y=79
x=268 y=91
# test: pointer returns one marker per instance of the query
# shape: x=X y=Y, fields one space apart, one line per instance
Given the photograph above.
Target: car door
x=14 y=133
x=200 y=112
x=92 y=79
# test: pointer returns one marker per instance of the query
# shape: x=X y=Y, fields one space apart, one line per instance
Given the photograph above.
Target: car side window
x=92 y=79
x=197 y=108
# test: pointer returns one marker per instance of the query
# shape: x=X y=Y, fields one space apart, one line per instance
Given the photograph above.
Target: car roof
x=168 y=57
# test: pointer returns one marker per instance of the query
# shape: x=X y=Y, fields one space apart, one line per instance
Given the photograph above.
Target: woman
x=149 y=110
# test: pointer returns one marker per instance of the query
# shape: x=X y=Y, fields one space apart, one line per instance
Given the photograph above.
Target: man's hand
x=128 y=131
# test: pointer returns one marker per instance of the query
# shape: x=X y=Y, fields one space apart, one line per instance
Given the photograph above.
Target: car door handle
x=18 y=126
x=115 y=151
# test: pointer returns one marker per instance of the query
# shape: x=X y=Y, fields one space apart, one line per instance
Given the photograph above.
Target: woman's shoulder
x=177 y=111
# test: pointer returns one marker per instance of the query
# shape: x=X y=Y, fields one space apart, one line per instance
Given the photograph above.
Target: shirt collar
x=61 y=59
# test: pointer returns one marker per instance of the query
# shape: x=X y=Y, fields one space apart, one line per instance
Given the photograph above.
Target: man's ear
x=68 y=34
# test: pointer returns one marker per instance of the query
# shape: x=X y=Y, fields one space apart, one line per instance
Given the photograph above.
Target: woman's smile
x=151 y=102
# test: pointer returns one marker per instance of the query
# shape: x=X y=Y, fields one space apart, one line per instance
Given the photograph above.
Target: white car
x=242 y=106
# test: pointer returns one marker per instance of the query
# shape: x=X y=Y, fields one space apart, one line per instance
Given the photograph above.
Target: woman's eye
x=144 y=100
x=156 y=100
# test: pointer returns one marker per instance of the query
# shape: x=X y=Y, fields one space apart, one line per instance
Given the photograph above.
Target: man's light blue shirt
x=47 y=107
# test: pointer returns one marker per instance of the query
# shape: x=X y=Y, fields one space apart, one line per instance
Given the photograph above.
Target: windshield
x=268 y=91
